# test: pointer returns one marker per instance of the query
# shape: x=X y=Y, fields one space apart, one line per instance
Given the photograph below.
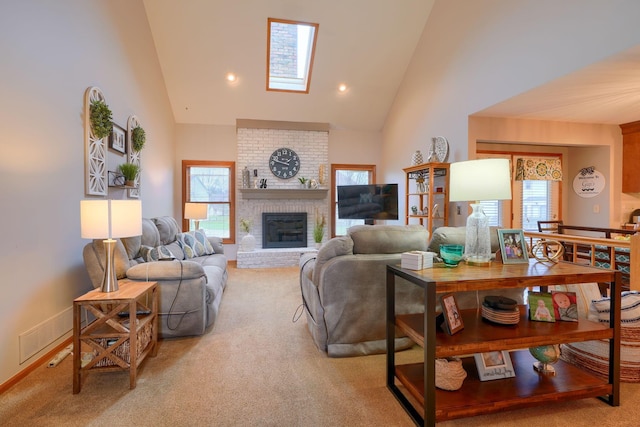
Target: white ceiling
x=365 y=44
x=607 y=92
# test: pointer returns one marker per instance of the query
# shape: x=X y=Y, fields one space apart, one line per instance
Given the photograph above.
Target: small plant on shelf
x=100 y=118
x=130 y=172
x=245 y=224
x=303 y=181
x=138 y=138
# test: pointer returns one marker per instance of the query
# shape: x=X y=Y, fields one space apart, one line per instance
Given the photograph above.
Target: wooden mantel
x=283 y=193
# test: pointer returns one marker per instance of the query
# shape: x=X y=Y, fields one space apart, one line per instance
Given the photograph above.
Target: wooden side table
x=123 y=334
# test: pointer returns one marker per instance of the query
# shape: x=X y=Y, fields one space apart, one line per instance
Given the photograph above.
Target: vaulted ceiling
x=365 y=44
x=362 y=43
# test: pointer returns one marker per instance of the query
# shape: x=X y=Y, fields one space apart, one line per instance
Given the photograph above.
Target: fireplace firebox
x=284 y=230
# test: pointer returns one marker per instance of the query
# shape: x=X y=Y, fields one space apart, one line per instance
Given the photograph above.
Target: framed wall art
x=513 y=246
x=118 y=139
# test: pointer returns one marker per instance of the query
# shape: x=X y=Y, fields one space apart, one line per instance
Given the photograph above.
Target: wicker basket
x=123 y=350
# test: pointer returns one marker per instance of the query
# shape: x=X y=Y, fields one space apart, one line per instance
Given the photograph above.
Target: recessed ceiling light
x=231 y=77
x=342 y=87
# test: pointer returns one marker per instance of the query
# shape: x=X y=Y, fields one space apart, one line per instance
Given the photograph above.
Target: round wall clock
x=284 y=163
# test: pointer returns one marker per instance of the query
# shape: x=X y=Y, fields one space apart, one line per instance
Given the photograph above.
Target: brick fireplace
x=255 y=145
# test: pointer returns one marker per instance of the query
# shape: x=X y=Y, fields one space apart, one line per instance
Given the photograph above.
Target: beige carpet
x=256 y=367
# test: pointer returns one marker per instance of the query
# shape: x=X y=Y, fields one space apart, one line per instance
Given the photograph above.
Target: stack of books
x=416 y=260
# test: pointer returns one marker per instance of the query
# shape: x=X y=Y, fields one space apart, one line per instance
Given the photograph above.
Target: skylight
x=290 y=51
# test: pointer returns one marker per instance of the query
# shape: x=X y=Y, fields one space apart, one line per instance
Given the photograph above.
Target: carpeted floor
x=256 y=367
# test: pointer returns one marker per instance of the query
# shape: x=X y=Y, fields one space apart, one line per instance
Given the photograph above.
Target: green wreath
x=100 y=116
x=138 y=138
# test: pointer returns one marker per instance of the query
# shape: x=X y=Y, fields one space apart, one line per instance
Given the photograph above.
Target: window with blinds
x=532 y=201
x=538 y=202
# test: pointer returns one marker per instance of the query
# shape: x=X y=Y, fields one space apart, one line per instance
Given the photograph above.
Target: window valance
x=538 y=168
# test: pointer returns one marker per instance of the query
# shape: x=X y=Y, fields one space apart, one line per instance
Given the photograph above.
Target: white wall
x=584 y=145
x=474 y=54
x=51 y=52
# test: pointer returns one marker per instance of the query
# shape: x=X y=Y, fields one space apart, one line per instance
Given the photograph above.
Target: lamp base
x=478 y=262
x=477 y=246
x=109 y=280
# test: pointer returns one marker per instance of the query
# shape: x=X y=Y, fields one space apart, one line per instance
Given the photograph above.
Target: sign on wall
x=588 y=182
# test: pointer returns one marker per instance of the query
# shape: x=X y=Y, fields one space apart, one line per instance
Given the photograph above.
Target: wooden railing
x=585 y=250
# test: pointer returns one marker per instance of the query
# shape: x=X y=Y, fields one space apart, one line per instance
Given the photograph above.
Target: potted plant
x=138 y=138
x=130 y=172
x=248 y=242
x=318 y=229
x=100 y=118
x=303 y=181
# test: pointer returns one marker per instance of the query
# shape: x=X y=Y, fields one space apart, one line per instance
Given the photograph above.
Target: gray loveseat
x=190 y=283
x=344 y=288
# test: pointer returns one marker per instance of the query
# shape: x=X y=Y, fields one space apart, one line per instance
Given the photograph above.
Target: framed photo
x=513 y=246
x=541 y=307
x=452 y=318
x=565 y=306
x=494 y=365
x=118 y=139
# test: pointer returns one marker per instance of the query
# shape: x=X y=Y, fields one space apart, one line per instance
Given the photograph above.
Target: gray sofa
x=343 y=286
x=191 y=280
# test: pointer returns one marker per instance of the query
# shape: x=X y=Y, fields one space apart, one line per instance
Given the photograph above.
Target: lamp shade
x=484 y=179
x=195 y=210
x=106 y=219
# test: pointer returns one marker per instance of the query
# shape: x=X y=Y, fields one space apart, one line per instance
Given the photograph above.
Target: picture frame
x=513 y=246
x=494 y=365
x=541 y=307
x=565 y=306
x=452 y=320
x=118 y=139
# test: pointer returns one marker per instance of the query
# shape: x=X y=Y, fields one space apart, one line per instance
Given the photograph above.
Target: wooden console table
x=527 y=388
x=123 y=334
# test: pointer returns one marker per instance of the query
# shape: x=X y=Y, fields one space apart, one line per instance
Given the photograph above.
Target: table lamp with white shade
x=196 y=212
x=110 y=219
x=479 y=180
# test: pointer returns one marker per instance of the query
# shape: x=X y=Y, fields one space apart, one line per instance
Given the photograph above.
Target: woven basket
x=449 y=374
x=123 y=351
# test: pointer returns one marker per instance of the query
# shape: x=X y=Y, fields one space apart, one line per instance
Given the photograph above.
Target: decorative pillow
x=629 y=309
x=202 y=238
x=194 y=244
x=158 y=253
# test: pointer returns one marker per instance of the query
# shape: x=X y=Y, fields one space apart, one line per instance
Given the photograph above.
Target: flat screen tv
x=368 y=202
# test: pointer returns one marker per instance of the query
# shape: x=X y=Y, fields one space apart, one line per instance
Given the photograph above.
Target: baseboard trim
x=32 y=367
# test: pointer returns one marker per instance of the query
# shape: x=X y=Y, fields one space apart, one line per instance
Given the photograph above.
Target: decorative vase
x=416 y=159
x=433 y=157
x=247 y=243
x=246 y=178
x=318 y=244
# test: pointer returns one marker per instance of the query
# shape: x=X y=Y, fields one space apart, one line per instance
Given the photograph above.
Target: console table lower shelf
x=528 y=388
